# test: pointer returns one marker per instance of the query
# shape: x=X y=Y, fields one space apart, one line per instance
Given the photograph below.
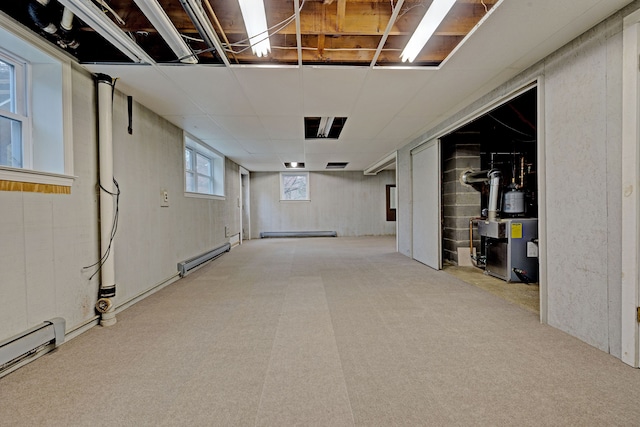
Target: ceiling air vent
x=323 y=127
x=336 y=165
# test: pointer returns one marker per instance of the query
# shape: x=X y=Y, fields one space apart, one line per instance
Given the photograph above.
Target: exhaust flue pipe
x=495 y=176
x=107 y=191
x=491 y=176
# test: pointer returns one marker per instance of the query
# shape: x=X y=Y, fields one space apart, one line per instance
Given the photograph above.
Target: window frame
x=37 y=53
x=282 y=186
x=217 y=161
x=21 y=79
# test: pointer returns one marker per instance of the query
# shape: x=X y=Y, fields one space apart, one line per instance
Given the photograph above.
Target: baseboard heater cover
x=186 y=266
x=30 y=344
x=267 y=234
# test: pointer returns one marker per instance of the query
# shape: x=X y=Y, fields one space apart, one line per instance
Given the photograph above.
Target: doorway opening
x=245 y=205
x=489 y=188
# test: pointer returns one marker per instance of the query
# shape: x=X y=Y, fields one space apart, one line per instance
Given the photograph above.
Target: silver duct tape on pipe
x=105 y=150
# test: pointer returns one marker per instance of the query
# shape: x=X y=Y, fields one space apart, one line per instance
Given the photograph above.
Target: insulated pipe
x=66 y=29
x=41 y=16
x=107 y=200
x=495 y=176
x=67 y=19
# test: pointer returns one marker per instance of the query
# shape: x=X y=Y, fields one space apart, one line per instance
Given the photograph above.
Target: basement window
x=294 y=186
x=35 y=111
x=203 y=170
x=14 y=122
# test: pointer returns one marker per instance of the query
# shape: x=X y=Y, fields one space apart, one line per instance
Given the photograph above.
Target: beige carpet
x=322 y=332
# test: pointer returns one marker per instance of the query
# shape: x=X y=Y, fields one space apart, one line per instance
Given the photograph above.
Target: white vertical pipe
x=105 y=150
x=494 y=193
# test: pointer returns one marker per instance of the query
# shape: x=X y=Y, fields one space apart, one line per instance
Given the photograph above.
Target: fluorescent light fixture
x=430 y=22
x=325 y=126
x=96 y=19
x=255 y=21
x=201 y=22
x=159 y=19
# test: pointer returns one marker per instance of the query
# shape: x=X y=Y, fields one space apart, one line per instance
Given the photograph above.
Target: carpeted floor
x=322 y=332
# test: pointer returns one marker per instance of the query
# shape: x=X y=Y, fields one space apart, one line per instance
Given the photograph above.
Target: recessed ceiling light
x=294 y=165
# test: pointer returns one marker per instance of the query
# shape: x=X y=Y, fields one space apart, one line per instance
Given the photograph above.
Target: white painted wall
x=47 y=239
x=350 y=203
x=582 y=120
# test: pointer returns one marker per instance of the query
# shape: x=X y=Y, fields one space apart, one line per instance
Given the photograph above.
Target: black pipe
x=41 y=15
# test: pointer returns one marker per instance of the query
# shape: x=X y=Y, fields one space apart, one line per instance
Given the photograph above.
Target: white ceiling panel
x=243 y=127
x=272 y=146
x=200 y=126
x=228 y=148
x=331 y=91
x=272 y=91
x=149 y=87
x=388 y=90
x=401 y=128
x=284 y=127
x=214 y=89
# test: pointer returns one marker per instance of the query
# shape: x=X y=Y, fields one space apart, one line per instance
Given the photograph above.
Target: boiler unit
x=511 y=248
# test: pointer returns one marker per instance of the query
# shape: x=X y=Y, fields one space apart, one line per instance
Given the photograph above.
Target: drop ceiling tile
x=360 y=126
x=403 y=128
x=242 y=127
x=214 y=89
x=283 y=127
x=149 y=87
x=386 y=90
x=331 y=91
x=229 y=148
x=200 y=126
x=271 y=147
x=272 y=91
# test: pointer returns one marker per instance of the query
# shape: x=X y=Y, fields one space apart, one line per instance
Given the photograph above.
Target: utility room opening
x=490 y=201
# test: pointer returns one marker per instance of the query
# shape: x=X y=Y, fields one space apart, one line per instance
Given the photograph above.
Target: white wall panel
x=13 y=295
x=47 y=239
x=425 y=176
x=350 y=203
x=582 y=119
x=578 y=206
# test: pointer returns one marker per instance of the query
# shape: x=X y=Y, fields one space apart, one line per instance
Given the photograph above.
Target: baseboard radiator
x=30 y=344
x=268 y=234
x=185 y=267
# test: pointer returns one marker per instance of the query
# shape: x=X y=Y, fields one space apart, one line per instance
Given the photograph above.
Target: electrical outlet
x=164 y=198
x=226 y=231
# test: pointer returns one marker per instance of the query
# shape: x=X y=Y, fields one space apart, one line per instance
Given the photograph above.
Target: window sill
x=204 y=196
x=35 y=177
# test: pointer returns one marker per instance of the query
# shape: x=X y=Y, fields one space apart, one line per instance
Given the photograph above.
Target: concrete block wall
x=459 y=202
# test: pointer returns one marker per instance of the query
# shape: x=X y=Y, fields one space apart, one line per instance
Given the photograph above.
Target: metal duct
x=186 y=266
x=494 y=178
x=267 y=234
x=30 y=344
